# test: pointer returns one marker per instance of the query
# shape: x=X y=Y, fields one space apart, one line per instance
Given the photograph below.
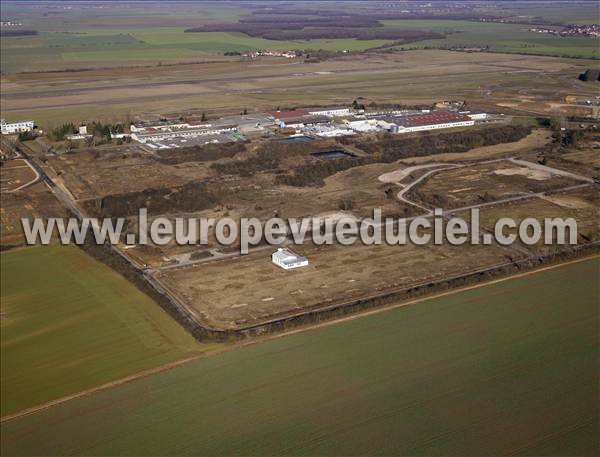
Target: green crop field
x=505 y=369
x=510 y=38
x=124 y=35
x=81 y=37
x=580 y=12
x=70 y=323
x=169 y=43
x=93 y=47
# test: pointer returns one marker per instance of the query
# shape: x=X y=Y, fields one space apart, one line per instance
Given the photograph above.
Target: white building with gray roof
x=287 y=259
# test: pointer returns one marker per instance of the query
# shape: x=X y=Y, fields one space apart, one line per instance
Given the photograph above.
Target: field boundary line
x=259 y=340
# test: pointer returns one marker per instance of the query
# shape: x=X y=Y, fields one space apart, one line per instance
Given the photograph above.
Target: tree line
x=390 y=148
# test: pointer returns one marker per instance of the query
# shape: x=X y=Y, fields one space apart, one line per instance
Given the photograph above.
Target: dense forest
x=289 y=26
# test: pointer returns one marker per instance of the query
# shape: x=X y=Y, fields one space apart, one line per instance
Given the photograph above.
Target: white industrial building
x=292 y=125
x=328 y=131
x=15 y=127
x=364 y=126
x=432 y=121
x=282 y=116
x=475 y=116
x=287 y=259
x=330 y=112
x=163 y=133
x=160 y=127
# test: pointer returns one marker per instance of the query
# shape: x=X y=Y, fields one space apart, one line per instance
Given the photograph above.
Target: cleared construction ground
x=247 y=290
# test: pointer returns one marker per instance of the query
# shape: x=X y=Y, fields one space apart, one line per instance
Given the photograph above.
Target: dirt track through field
x=178 y=363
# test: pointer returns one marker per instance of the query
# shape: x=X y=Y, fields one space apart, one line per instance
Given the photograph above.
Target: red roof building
x=288 y=114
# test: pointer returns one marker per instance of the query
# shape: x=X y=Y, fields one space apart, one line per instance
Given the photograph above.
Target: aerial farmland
x=368 y=374
x=191 y=195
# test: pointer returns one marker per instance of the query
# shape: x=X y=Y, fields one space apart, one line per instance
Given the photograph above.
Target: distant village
x=573 y=30
x=10 y=24
x=267 y=53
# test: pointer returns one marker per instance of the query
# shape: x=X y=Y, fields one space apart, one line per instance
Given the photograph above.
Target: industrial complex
x=325 y=122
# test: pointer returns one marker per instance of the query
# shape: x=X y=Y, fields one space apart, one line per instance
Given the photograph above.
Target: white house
x=15 y=127
x=287 y=259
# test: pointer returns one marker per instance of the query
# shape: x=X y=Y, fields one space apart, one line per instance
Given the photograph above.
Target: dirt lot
x=486 y=182
x=238 y=291
x=355 y=191
x=88 y=176
x=581 y=205
x=245 y=290
x=537 y=139
x=587 y=154
x=14 y=174
x=34 y=201
x=259 y=197
x=250 y=289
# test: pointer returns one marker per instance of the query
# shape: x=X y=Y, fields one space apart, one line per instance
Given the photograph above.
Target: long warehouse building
x=431 y=121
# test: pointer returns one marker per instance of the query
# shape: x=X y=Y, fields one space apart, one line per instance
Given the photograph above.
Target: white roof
x=327 y=108
x=286 y=256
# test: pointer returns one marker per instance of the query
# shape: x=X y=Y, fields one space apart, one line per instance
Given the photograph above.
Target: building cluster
x=543 y=30
x=255 y=54
x=331 y=122
x=163 y=136
x=8 y=128
x=320 y=122
x=81 y=134
x=576 y=30
x=169 y=134
x=585 y=30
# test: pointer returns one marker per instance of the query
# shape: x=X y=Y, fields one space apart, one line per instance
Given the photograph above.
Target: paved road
x=408 y=187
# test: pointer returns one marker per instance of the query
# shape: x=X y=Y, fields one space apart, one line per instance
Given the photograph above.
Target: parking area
x=199 y=140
